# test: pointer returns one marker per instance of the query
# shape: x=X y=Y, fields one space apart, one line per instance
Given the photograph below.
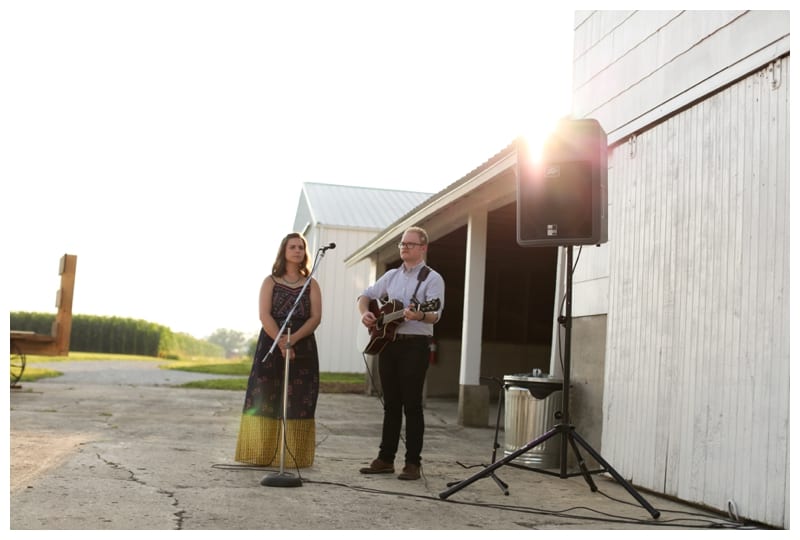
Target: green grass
x=342 y=377
x=218 y=384
x=34 y=374
x=87 y=356
x=239 y=367
x=242 y=367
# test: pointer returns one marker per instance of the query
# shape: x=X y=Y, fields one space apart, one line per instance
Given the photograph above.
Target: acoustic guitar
x=389 y=316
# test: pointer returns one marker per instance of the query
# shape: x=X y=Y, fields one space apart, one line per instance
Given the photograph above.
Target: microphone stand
x=282 y=478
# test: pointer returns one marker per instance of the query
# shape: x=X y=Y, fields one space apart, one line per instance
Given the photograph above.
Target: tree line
x=120 y=335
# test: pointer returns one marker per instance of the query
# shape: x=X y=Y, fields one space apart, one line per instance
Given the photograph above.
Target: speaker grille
x=564 y=210
x=561 y=198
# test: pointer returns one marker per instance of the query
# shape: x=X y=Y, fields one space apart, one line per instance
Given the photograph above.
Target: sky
x=165 y=143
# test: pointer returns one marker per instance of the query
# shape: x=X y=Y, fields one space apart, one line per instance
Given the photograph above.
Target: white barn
x=680 y=339
x=695 y=277
x=347 y=216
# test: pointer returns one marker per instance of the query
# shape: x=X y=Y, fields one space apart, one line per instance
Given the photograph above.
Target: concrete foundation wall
x=587 y=367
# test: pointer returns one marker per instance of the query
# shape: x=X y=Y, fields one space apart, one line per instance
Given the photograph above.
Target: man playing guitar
x=403 y=351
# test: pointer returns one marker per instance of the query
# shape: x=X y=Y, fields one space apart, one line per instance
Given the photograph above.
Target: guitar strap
x=422 y=276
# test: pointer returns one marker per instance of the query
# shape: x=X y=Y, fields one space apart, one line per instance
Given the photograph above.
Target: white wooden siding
x=697 y=361
x=590 y=280
x=340 y=336
x=632 y=68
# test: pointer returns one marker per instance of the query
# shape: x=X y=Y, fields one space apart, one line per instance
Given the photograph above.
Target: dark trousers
x=402 y=366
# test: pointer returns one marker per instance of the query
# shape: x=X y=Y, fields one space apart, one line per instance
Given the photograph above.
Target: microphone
x=329 y=246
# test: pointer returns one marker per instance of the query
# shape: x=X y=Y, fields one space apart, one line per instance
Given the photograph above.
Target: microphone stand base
x=281 y=480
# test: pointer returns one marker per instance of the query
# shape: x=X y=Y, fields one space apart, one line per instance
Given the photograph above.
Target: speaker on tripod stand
x=562 y=202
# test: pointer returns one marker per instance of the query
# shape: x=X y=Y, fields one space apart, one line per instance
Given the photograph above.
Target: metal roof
x=358 y=207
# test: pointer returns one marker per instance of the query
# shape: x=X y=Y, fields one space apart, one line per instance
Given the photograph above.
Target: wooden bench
x=57 y=342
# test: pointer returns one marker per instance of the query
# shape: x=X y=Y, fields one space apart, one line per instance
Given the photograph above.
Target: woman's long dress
x=260 y=428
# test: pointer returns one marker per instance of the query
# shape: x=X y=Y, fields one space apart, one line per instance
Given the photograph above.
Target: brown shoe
x=378 y=466
x=410 y=472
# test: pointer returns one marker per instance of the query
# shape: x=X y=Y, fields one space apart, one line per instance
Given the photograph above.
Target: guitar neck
x=389 y=317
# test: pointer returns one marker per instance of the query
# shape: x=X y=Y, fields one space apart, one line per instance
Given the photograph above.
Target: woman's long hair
x=279 y=266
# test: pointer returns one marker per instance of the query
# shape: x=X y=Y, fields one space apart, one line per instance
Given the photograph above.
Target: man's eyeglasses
x=409 y=245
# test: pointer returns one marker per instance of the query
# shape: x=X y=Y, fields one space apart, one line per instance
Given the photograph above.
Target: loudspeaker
x=562 y=195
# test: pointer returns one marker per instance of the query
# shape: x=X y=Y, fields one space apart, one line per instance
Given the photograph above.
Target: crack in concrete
x=179 y=514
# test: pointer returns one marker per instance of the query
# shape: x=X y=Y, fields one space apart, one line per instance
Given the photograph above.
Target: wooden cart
x=57 y=342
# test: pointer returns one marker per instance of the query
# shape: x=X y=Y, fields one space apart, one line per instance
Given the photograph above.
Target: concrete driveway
x=114 y=446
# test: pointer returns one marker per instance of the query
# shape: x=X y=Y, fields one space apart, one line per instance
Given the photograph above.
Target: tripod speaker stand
x=564 y=429
x=502 y=485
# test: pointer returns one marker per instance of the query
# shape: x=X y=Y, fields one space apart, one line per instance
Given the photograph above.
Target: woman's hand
x=283 y=344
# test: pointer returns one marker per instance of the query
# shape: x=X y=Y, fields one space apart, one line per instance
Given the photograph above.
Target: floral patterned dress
x=260 y=428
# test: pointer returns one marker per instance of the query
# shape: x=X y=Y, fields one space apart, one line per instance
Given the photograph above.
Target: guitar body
x=383 y=332
x=388 y=317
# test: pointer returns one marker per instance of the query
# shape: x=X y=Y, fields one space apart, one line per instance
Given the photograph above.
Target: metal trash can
x=532 y=404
